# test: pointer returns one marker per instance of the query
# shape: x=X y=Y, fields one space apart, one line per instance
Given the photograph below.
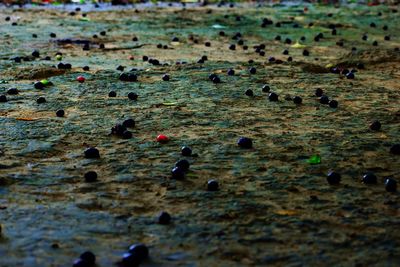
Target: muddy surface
x=273 y=207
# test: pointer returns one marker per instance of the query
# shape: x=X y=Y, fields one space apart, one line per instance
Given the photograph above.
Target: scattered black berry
x=164 y=218
x=60 y=113
x=369 y=178
x=212 y=185
x=90 y=177
x=91 y=153
x=333 y=178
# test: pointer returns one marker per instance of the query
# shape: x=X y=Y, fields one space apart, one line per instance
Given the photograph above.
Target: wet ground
x=273 y=208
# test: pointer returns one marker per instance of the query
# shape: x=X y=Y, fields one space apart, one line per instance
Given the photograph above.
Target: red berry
x=162 y=138
x=80 y=79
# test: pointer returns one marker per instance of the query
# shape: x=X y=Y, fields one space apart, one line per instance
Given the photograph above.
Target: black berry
x=89 y=257
x=395 y=149
x=216 y=79
x=127 y=135
x=369 y=178
x=165 y=77
x=333 y=104
x=375 y=126
x=38 y=85
x=333 y=178
x=35 y=53
x=140 y=251
x=390 y=185
x=164 y=218
x=265 y=88
x=324 y=100
x=12 y=91
x=60 y=113
x=318 y=92
x=92 y=153
x=129 y=123
x=245 y=142
x=273 y=97
x=297 y=100
x=177 y=173
x=41 y=100
x=212 y=185
x=90 y=177
x=231 y=72
x=350 y=75
x=186 y=151
x=118 y=129
x=183 y=164
x=249 y=92
x=132 y=96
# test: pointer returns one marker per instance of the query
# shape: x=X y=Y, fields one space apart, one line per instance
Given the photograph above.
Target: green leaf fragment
x=44 y=82
x=314 y=159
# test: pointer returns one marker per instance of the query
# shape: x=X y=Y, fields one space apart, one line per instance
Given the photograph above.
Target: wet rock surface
x=273 y=205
